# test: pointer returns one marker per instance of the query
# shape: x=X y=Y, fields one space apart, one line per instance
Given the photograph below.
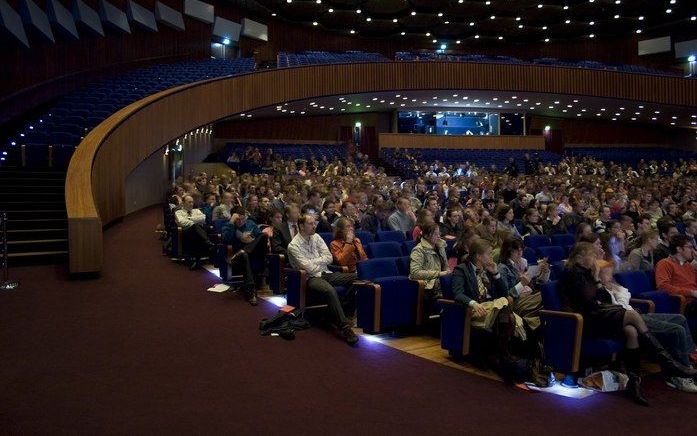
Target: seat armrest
x=563 y=335
x=180 y=246
x=643 y=306
x=296 y=287
x=665 y=302
x=456 y=327
x=368 y=305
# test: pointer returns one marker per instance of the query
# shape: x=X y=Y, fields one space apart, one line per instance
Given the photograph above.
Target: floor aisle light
x=6 y=284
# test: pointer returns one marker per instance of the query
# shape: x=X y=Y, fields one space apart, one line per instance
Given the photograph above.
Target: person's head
x=432 y=205
x=349 y=210
x=626 y=222
x=314 y=198
x=292 y=213
x=228 y=198
x=511 y=249
x=480 y=253
x=613 y=227
x=430 y=232
x=648 y=239
x=252 y=203
x=606 y=271
x=691 y=227
x=504 y=214
x=605 y=213
x=275 y=217
x=264 y=203
x=595 y=242
x=681 y=247
x=329 y=208
x=532 y=216
x=454 y=215
x=188 y=202
x=667 y=229
x=307 y=224
x=344 y=226
x=210 y=199
x=673 y=209
x=403 y=205
x=582 y=254
x=643 y=223
x=582 y=230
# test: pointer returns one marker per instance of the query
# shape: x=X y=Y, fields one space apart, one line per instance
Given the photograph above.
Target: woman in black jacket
x=583 y=293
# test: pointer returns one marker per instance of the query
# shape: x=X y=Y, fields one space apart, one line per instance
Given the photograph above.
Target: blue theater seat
x=391 y=235
x=365 y=237
x=639 y=285
x=383 y=249
x=407 y=246
x=552 y=253
x=456 y=322
x=535 y=241
x=563 y=240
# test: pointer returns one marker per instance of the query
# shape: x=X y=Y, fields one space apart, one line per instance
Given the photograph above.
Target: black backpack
x=284 y=324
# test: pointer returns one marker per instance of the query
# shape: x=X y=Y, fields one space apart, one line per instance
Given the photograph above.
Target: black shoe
x=633 y=390
x=349 y=336
x=253 y=300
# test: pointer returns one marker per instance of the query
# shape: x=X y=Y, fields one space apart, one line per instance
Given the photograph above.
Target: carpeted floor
x=146 y=349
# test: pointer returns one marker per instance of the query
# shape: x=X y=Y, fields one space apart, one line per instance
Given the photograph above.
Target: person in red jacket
x=346 y=248
x=676 y=275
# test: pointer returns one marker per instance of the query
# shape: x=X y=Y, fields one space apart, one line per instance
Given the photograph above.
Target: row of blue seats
x=596 y=65
x=323 y=57
x=65 y=122
x=631 y=155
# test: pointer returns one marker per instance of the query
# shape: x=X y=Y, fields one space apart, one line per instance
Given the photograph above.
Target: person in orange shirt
x=346 y=248
x=676 y=274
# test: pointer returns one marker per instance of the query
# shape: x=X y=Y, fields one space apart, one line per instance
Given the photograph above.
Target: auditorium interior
x=348 y=216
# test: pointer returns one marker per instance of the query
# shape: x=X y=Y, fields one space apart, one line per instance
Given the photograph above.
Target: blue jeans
x=673 y=332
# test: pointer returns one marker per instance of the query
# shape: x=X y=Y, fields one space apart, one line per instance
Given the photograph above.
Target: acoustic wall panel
x=253 y=29
x=114 y=17
x=34 y=17
x=168 y=16
x=226 y=29
x=686 y=48
x=141 y=16
x=61 y=18
x=655 y=45
x=87 y=17
x=11 y=22
x=200 y=10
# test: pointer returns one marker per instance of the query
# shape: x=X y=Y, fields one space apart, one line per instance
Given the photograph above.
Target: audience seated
x=309 y=252
x=641 y=258
x=286 y=230
x=403 y=219
x=676 y=273
x=241 y=232
x=666 y=231
x=428 y=261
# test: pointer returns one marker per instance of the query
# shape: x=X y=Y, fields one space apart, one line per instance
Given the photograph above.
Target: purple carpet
x=146 y=349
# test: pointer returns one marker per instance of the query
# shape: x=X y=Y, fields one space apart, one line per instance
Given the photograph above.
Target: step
x=37 y=258
x=30 y=205
x=36 y=198
x=11 y=173
x=16 y=247
x=29 y=189
x=35 y=215
x=31 y=181
x=32 y=234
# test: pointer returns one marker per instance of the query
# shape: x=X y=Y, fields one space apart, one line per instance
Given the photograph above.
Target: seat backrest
x=365 y=237
x=407 y=246
x=635 y=281
x=534 y=241
x=383 y=249
x=375 y=268
x=328 y=237
x=563 y=240
x=530 y=255
x=446 y=286
x=391 y=235
x=552 y=253
x=551 y=300
x=403 y=264
x=218 y=224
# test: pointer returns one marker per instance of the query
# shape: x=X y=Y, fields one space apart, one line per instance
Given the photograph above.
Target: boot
x=504 y=328
x=669 y=366
x=633 y=390
x=252 y=295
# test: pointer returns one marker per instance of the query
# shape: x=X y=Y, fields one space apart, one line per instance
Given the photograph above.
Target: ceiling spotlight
x=314 y=23
x=638 y=31
x=517 y=18
x=546 y=39
x=403 y=33
x=520 y=26
x=413 y=13
x=476 y=36
x=331 y=11
x=428 y=33
x=289 y=1
x=616 y=17
x=567 y=21
x=319 y=2
x=358 y=11
x=592 y=23
x=500 y=37
x=434 y=41
x=458 y=42
x=352 y=31
x=440 y=14
x=544 y=27
x=471 y=23
x=368 y=19
x=641 y=18
x=566 y=7
x=493 y=17
x=273 y=14
x=540 y=6
x=668 y=11
x=394 y=20
x=592 y=35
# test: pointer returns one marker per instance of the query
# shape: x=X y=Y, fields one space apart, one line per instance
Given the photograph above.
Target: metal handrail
x=6 y=284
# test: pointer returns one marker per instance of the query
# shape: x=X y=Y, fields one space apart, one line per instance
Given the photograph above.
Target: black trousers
x=195 y=241
x=257 y=251
x=324 y=286
x=240 y=265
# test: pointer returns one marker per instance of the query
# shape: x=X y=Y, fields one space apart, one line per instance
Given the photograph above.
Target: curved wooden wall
x=95 y=182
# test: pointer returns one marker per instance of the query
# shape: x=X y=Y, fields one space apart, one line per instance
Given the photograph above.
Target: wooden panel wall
x=324 y=128
x=95 y=181
x=498 y=142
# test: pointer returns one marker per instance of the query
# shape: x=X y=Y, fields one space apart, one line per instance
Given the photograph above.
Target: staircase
x=37 y=227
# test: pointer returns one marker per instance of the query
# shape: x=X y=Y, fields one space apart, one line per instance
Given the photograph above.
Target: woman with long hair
x=346 y=248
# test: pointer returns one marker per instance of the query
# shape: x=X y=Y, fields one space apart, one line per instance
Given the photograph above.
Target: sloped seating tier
x=287 y=151
x=631 y=155
x=67 y=121
x=325 y=57
x=553 y=62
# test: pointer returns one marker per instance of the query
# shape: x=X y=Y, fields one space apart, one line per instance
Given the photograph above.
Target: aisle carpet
x=144 y=349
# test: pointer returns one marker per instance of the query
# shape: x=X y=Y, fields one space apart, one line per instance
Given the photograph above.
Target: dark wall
x=320 y=128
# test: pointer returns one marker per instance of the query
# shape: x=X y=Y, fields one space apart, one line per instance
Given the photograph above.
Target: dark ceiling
x=479 y=21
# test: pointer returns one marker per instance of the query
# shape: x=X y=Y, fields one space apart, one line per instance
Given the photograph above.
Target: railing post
x=6 y=284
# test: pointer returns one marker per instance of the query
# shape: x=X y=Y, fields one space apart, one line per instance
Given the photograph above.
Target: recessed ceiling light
x=403 y=33
x=493 y=17
x=471 y=23
x=314 y=23
x=358 y=11
x=458 y=41
x=500 y=37
x=520 y=26
x=273 y=14
x=540 y=6
x=394 y=20
x=641 y=18
x=413 y=13
x=544 y=27
x=428 y=33
x=331 y=11
x=440 y=14
x=638 y=31
x=591 y=35
x=567 y=21
x=616 y=17
x=352 y=31
x=517 y=18
x=546 y=39
x=368 y=19
x=476 y=36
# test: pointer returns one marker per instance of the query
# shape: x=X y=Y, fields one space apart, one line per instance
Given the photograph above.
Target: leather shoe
x=253 y=300
x=349 y=336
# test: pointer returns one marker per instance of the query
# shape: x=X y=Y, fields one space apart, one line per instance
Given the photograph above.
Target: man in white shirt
x=195 y=239
x=309 y=252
